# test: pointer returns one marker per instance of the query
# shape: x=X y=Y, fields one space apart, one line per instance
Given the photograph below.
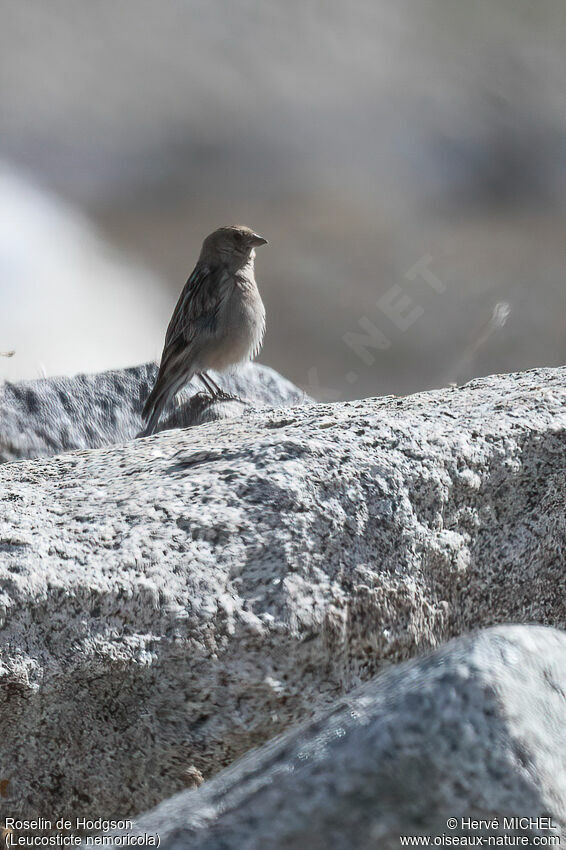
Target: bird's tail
x=156 y=403
x=158 y=399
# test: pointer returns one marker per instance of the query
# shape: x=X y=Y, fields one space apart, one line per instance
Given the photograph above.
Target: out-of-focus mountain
x=68 y=299
x=364 y=139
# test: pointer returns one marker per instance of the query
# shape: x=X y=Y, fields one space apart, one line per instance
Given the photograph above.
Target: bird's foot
x=222 y=395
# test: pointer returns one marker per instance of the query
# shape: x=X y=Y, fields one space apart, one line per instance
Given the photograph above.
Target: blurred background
x=406 y=161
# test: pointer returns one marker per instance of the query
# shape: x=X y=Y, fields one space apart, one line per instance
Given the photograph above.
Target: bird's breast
x=241 y=325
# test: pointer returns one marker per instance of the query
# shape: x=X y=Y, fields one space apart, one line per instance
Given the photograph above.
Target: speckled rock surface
x=474 y=731
x=52 y=415
x=169 y=603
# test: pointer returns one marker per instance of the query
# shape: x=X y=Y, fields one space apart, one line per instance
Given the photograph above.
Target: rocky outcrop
x=52 y=415
x=472 y=733
x=169 y=603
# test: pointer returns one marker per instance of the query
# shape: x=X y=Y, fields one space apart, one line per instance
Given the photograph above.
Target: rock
x=473 y=731
x=53 y=415
x=174 y=601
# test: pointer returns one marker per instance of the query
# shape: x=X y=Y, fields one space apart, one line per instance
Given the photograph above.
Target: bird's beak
x=258 y=240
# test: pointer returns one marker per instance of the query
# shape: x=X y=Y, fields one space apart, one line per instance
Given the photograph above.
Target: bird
x=218 y=322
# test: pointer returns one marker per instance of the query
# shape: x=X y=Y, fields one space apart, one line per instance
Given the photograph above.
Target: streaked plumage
x=219 y=319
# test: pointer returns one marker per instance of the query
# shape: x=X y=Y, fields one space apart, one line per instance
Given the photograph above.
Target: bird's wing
x=194 y=318
x=197 y=306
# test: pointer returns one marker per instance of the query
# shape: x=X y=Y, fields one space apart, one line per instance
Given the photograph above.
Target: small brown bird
x=219 y=319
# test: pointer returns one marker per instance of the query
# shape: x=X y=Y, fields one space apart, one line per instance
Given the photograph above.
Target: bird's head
x=233 y=245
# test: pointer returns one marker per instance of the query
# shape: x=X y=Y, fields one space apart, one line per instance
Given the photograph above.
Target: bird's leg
x=203 y=377
x=216 y=391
